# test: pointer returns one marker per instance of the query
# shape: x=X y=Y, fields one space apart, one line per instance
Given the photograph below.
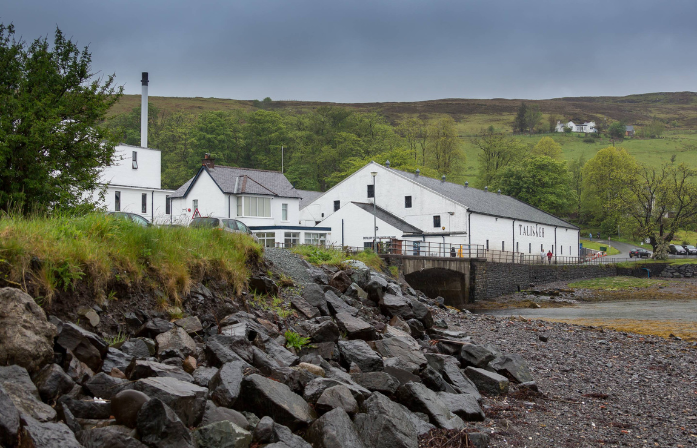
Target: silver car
x=227 y=224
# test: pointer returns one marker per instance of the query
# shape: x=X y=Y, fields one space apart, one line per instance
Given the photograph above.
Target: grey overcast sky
x=379 y=50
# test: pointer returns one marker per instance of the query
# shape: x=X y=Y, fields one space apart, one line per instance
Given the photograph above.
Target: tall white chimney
x=144 y=112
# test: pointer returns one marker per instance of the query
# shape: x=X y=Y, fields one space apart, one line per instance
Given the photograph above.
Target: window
x=239 y=206
x=517 y=247
x=529 y=248
x=117 y=201
x=267 y=239
x=503 y=245
x=134 y=160
x=561 y=248
x=316 y=239
x=436 y=221
x=407 y=201
x=254 y=206
x=168 y=205
x=194 y=204
x=291 y=239
x=284 y=212
x=337 y=205
x=542 y=247
x=487 y=244
x=144 y=202
x=371 y=191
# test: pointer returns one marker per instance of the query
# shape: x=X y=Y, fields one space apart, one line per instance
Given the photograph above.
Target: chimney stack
x=208 y=162
x=144 y=112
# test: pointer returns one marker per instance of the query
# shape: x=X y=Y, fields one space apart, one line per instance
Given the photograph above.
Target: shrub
x=294 y=340
x=589 y=140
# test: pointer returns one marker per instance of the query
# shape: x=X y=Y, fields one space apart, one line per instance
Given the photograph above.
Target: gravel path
x=598 y=387
x=289 y=263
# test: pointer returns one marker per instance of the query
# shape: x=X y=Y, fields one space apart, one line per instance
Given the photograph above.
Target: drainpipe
x=469 y=229
x=555 y=242
x=228 y=205
x=513 y=240
x=342 y=233
x=152 y=207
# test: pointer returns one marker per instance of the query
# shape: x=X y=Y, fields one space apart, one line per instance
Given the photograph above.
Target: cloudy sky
x=370 y=50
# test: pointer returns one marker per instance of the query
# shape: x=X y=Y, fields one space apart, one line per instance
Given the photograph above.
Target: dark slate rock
x=186 y=399
x=422 y=313
x=9 y=420
x=315 y=388
x=139 y=369
x=360 y=353
x=512 y=366
x=77 y=370
x=381 y=382
x=35 y=434
x=449 y=368
x=266 y=365
x=463 y=405
x=176 y=339
x=340 y=281
x=475 y=356
x=479 y=439
x=267 y=397
x=334 y=430
x=108 y=437
x=160 y=427
x=336 y=305
x=225 y=385
x=125 y=407
x=221 y=349
x=280 y=354
x=355 y=328
x=385 y=424
x=375 y=287
x=325 y=331
x=24 y=394
x=203 y=375
x=434 y=381
x=326 y=350
x=530 y=385
x=86 y=346
x=401 y=375
x=356 y=292
x=191 y=324
x=360 y=272
x=214 y=414
x=418 y=397
x=419 y=420
x=116 y=358
x=416 y=327
x=132 y=320
x=392 y=305
x=136 y=348
x=268 y=431
x=318 y=276
x=407 y=350
x=337 y=397
x=222 y=434
x=489 y=382
x=314 y=295
x=263 y=285
x=153 y=327
x=89 y=409
x=52 y=382
x=105 y=386
x=304 y=307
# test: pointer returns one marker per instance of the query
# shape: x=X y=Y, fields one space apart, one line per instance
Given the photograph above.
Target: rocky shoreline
x=362 y=361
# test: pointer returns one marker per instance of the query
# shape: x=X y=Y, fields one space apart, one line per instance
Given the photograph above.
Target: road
x=624 y=249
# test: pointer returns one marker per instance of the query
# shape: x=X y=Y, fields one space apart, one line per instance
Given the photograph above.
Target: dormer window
x=134 y=160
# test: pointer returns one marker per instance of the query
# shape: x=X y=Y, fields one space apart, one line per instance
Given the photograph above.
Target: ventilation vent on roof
x=442 y=178
x=467 y=184
x=387 y=164
x=486 y=188
x=418 y=171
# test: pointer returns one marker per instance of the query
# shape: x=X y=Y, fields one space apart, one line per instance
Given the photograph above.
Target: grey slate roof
x=629 y=128
x=388 y=217
x=307 y=196
x=486 y=203
x=244 y=180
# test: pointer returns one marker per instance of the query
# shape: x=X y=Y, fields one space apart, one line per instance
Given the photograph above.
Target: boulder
x=52 y=382
x=512 y=366
x=434 y=381
x=354 y=327
x=398 y=322
x=268 y=431
x=318 y=276
x=26 y=334
x=375 y=287
x=385 y=424
x=84 y=345
x=203 y=375
x=419 y=420
x=489 y=382
x=337 y=305
x=334 y=430
x=340 y=281
x=153 y=327
x=315 y=388
x=325 y=331
x=312 y=368
x=464 y=406
x=160 y=427
x=125 y=407
x=280 y=354
x=418 y=397
x=222 y=434
x=407 y=350
x=263 y=285
x=189 y=364
x=116 y=359
x=214 y=414
x=449 y=368
x=35 y=434
x=401 y=375
x=186 y=399
x=139 y=369
x=105 y=386
x=337 y=397
x=136 y=348
x=9 y=420
x=108 y=437
x=77 y=370
x=422 y=313
x=221 y=349
x=225 y=385
x=416 y=328
x=176 y=339
x=356 y=292
x=304 y=307
x=392 y=305
x=360 y=353
x=381 y=382
x=24 y=394
x=264 y=396
x=360 y=272
x=475 y=356
x=190 y=324
x=87 y=409
x=314 y=295
x=326 y=350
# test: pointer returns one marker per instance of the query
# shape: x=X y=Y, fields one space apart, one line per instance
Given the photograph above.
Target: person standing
x=542 y=256
x=549 y=256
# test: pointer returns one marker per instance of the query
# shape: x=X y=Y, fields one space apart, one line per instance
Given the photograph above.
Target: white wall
x=148 y=174
x=358 y=225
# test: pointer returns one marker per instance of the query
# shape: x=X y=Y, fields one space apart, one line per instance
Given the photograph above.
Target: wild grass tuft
x=294 y=340
x=335 y=257
x=56 y=253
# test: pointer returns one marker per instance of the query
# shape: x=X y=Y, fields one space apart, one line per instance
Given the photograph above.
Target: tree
x=576 y=179
x=605 y=178
x=533 y=116
x=409 y=130
x=547 y=147
x=552 y=121
x=541 y=182
x=53 y=143
x=496 y=153
x=520 y=123
x=444 y=144
x=616 y=131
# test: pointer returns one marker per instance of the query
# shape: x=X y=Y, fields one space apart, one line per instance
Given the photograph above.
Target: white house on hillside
x=587 y=127
x=419 y=209
x=264 y=200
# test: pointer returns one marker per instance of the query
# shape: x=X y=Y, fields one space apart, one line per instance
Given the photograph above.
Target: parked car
x=676 y=249
x=691 y=250
x=639 y=253
x=229 y=225
x=131 y=217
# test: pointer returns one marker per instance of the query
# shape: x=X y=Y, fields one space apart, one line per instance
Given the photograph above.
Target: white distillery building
x=134 y=180
x=587 y=127
x=419 y=209
x=263 y=200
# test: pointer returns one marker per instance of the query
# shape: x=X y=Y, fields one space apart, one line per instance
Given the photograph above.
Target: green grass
x=596 y=246
x=334 y=257
x=670 y=261
x=57 y=253
x=294 y=340
x=617 y=283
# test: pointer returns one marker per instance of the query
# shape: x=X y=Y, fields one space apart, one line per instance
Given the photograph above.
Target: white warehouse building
x=428 y=213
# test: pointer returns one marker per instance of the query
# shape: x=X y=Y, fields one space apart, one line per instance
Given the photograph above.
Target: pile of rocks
x=378 y=372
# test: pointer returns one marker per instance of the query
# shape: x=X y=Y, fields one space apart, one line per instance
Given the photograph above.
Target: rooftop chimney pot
x=208 y=162
x=144 y=111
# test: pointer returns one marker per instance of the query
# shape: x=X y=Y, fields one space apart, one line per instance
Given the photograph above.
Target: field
x=596 y=246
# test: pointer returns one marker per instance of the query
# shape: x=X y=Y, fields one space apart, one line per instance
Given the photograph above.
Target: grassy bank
x=335 y=257
x=596 y=246
x=47 y=255
x=617 y=283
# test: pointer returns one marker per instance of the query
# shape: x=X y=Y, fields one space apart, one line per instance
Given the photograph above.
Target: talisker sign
x=531 y=231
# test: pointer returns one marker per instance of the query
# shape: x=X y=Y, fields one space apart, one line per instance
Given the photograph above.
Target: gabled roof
x=388 y=217
x=235 y=180
x=485 y=203
x=307 y=196
x=629 y=128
